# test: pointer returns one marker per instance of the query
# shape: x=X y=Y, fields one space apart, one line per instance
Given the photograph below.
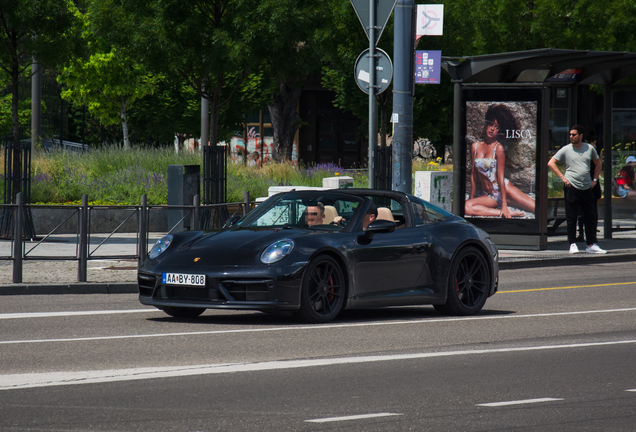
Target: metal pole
x=17 y=241
x=246 y=202
x=196 y=211
x=403 y=53
x=205 y=120
x=607 y=172
x=143 y=231
x=457 y=149
x=36 y=103
x=83 y=241
x=373 y=128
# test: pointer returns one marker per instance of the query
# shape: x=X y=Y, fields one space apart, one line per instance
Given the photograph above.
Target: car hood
x=238 y=246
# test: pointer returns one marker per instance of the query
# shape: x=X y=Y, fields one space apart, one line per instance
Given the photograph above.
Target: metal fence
x=81 y=217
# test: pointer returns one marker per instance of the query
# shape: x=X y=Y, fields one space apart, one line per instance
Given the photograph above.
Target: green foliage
x=107 y=83
x=31 y=28
x=114 y=176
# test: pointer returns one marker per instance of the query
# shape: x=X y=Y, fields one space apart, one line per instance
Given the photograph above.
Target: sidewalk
x=112 y=275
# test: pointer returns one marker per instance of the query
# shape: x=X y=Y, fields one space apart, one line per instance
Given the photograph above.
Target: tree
x=201 y=41
x=108 y=83
x=289 y=36
x=30 y=29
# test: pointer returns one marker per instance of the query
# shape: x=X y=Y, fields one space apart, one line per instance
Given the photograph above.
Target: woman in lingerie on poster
x=489 y=162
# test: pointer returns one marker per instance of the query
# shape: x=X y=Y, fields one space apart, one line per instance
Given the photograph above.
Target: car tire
x=468 y=284
x=183 y=312
x=323 y=291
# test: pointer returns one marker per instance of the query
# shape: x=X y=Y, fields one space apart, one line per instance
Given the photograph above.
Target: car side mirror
x=377 y=226
x=231 y=221
x=381 y=226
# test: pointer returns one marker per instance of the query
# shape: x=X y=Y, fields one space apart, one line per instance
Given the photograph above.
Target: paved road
x=553 y=351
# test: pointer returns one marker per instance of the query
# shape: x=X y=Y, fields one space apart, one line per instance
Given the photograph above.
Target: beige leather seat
x=330 y=214
x=384 y=213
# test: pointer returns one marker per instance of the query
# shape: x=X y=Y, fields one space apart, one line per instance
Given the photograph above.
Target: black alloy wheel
x=183 y=312
x=468 y=285
x=323 y=291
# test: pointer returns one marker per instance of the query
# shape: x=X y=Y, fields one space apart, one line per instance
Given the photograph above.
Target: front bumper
x=275 y=288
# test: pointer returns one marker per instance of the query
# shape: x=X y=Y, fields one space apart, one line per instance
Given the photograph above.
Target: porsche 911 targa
x=315 y=253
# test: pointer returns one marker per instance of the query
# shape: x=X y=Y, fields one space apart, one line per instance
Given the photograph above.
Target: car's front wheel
x=183 y=312
x=468 y=284
x=322 y=292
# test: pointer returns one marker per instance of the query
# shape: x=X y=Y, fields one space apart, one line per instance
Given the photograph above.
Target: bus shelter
x=534 y=94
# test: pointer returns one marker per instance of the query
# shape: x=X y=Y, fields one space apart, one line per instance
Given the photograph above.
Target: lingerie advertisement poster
x=501 y=156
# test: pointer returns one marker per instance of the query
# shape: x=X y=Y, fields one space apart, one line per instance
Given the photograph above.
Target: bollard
x=143 y=231
x=17 y=241
x=83 y=240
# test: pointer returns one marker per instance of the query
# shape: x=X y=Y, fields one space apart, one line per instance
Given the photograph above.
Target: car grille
x=146 y=284
x=226 y=290
x=248 y=291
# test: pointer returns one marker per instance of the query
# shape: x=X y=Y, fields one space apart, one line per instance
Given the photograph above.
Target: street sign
x=383 y=71
x=383 y=9
x=428 y=65
x=429 y=20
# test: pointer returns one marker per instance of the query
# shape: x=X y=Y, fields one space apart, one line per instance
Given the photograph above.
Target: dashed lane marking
x=519 y=402
x=352 y=417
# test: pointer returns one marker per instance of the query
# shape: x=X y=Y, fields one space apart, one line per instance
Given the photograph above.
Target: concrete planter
x=104 y=220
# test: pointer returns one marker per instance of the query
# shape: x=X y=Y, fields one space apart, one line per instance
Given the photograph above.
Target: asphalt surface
x=56 y=272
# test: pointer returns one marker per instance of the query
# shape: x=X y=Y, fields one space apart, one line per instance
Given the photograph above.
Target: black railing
x=80 y=218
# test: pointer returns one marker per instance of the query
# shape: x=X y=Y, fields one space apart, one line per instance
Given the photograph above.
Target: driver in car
x=370 y=216
x=315 y=215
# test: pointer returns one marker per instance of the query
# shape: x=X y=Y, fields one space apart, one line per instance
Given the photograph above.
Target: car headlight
x=277 y=251
x=159 y=247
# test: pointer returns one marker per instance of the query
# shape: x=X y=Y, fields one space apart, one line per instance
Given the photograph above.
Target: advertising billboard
x=502 y=137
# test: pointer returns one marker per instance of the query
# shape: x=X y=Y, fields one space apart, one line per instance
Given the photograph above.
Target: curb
x=71 y=288
x=581 y=259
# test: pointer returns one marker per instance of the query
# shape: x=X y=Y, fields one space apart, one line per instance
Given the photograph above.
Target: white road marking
x=71 y=313
x=48 y=379
x=519 y=402
x=352 y=417
x=632 y=390
x=306 y=327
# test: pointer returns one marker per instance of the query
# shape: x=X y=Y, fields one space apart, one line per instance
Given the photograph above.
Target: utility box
x=184 y=182
x=435 y=187
x=340 y=182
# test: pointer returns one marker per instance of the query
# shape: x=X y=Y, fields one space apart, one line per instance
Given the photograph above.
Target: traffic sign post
x=372 y=21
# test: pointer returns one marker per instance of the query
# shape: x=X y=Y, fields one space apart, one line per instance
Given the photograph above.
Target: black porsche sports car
x=318 y=252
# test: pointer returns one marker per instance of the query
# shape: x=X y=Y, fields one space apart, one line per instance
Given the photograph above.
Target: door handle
x=419 y=248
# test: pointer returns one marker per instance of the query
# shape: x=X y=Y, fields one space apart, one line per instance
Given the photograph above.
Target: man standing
x=576 y=158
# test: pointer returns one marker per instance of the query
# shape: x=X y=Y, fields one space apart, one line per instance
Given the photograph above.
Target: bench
x=623 y=213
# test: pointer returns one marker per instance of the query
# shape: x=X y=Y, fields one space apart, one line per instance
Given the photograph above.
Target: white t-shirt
x=577 y=164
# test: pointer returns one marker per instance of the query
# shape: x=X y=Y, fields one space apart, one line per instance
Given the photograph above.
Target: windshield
x=305 y=210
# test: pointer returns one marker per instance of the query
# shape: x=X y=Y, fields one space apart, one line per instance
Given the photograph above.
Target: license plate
x=183 y=279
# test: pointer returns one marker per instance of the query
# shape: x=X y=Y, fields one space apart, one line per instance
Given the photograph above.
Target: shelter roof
x=541 y=65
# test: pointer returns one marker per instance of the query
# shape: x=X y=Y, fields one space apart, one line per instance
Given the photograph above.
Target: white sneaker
x=594 y=249
x=574 y=248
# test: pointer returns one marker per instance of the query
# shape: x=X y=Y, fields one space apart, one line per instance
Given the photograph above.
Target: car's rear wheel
x=468 y=284
x=183 y=312
x=323 y=291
